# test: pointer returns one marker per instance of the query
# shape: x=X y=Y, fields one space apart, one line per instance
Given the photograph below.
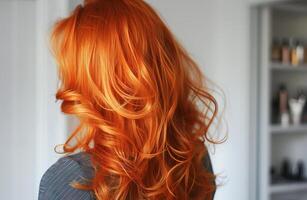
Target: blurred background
x=255 y=50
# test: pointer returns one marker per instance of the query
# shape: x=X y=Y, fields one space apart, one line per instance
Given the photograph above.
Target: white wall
x=30 y=120
x=17 y=84
x=5 y=103
x=216 y=34
x=50 y=122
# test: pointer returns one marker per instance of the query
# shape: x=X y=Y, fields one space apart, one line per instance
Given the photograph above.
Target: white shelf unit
x=291 y=129
x=288 y=188
x=275 y=142
x=288 y=68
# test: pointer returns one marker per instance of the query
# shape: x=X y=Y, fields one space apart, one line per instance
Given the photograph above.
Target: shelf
x=278 y=129
x=288 y=187
x=293 y=7
x=288 y=68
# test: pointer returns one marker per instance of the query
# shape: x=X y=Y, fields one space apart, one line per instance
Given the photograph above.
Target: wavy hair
x=142 y=102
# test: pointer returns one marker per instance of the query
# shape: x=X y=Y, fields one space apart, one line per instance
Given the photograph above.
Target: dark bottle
x=286 y=169
x=300 y=171
x=273 y=174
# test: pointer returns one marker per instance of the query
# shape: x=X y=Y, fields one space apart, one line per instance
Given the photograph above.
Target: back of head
x=141 y=101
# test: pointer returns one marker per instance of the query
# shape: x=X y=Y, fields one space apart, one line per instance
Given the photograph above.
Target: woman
x=142 y=104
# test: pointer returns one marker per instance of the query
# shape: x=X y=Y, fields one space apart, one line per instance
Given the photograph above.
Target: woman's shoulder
x=56 y=182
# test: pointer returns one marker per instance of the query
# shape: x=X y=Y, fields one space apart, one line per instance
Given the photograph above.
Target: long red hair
x=142 y=102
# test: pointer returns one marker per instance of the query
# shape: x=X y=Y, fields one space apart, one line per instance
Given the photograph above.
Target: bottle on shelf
x=300 y=52
x=276 y=50
x=300 y=171
x=305 y=54
x=296 y=106
x=285 y=52
x=293 y=52
x=286 y=171
x=283 y=106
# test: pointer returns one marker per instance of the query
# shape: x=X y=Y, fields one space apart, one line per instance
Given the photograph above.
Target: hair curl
x=141 y=100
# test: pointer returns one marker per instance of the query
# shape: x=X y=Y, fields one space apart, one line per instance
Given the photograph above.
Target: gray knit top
x=56 y=181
